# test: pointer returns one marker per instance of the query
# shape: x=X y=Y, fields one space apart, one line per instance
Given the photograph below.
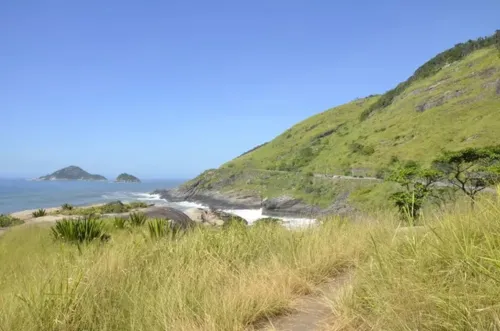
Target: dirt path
x=311 y=311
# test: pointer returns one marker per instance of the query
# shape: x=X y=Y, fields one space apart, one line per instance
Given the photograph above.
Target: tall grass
x=207 y=279
x=443 y=276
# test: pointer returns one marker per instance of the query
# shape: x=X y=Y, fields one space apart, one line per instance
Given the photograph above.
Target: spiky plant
x=39 y=213
x=158 y=228
x=137 y=219
x=79 y=231
x=119 y=222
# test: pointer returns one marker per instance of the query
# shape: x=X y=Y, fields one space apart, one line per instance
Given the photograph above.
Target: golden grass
x=442 y=276
x=206 y=280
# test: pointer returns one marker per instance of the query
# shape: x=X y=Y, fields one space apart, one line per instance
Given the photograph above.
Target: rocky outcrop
x=214 y=199
x=214 y=217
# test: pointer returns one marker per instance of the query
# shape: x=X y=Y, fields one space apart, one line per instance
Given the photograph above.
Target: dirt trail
x=310 y=311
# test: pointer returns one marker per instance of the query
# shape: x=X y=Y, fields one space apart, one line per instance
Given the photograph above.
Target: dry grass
x=442 y=276
x=205 y=280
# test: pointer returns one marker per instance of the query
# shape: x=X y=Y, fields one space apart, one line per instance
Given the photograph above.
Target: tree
x=471 y=170
x=417 y=184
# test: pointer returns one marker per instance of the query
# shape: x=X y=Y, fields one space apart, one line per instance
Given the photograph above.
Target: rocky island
x=72 y=173
x=127 y=178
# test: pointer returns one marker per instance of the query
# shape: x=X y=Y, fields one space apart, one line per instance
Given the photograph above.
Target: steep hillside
x=451 y=102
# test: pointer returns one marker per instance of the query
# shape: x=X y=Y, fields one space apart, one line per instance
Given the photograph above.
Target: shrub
x=113 y=207
x=137 y=219
x=82 y=230
x=39 y=213
x=7 y=220
x=137 y=204
x=67 y=206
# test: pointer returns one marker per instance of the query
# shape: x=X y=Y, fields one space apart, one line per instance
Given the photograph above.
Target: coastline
x=251 y=214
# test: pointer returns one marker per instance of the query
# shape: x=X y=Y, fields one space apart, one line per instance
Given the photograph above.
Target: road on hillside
x=331 y=176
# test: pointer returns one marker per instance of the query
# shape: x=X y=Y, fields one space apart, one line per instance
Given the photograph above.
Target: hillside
x=72 y=173
x=451 y=102
x=127 y=178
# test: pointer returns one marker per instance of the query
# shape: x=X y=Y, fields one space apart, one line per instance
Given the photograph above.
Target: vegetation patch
x=7 y=220
x=83 y=230
x=116 y=207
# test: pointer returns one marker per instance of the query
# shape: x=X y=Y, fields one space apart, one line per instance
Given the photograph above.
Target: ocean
x=21 y=194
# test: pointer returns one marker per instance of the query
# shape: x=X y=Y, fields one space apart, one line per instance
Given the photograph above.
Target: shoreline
x=249 y=214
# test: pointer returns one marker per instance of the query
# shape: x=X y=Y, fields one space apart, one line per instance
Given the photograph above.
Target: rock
x=213 y=217
x=288 y=206
x=177 y=218
x=439 y=101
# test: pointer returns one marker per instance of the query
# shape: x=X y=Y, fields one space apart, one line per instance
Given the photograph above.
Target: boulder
x=177 y=218
x=214 y=217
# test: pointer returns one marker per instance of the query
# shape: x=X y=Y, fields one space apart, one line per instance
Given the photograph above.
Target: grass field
x=446 y=276
x=443 y=275
x=206 y=280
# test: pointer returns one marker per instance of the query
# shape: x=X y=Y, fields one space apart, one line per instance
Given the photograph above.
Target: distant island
x=127 y=178
x=72 y=173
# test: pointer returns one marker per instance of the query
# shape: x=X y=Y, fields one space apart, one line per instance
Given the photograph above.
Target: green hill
x=451 y=102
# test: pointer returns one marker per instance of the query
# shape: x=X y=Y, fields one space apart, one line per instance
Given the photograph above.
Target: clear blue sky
x=170 y=88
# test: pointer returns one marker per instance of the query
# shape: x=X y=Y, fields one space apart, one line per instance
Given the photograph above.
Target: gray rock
x=288 y=206
x=213 y=217
x=176 y=217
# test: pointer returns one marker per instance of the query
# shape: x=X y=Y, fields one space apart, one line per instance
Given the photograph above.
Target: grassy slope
x=466 y=118
x=472 y=119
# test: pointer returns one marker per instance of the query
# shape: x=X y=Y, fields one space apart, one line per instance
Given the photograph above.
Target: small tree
x=470 y=170
x=497 y=39
x=417 y=186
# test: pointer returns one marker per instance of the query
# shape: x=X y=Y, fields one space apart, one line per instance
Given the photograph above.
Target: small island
x=72 y=173
x=127 y=178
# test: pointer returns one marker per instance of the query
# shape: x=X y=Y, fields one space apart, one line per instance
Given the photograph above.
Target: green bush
x=67 y=206
x=82 y=230
x=39 y=213
x=7 y=220
x=137 y=204
x=137 y=219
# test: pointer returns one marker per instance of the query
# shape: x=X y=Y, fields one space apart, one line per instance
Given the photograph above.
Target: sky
x=167 y=89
